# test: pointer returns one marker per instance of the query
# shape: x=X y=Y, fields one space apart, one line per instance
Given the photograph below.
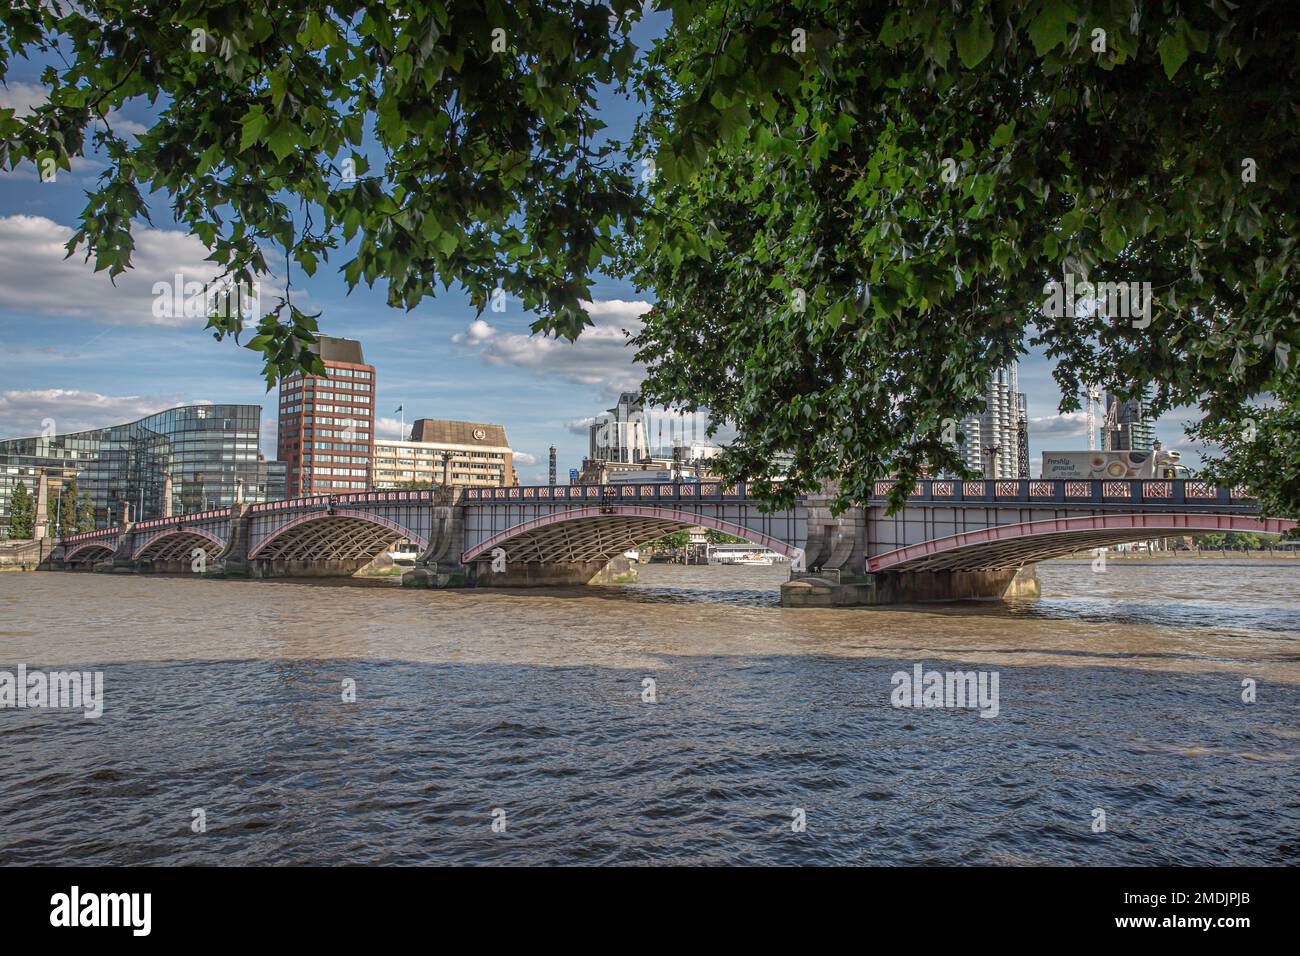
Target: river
x=518 y=727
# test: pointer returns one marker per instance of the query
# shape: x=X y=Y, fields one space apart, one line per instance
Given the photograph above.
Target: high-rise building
x=996 y=441
x=619 y=434
x=327 y=422
x=439 y=452
x=179 y=461
x=1128 y=427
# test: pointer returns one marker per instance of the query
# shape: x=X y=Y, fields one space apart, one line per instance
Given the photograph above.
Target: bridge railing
x=1136 y=491
x=1176 y=492
x=623 y=491
x=112 y=530
x=311 y=502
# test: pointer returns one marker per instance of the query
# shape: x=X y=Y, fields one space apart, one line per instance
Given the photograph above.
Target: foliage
x=1261 y=450
x=854 y=210
x=675 y=539
x=845 y=241
x=721 y=537
x=1234 y=539
x=489 y=166
x=67 y=510
x=85 y=513
x=22 y=513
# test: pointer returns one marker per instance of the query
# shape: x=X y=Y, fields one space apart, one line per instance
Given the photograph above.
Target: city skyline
x=69 y=366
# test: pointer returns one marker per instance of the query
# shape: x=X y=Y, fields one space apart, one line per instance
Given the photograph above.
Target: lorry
x=647 y=474
x=1113 y=464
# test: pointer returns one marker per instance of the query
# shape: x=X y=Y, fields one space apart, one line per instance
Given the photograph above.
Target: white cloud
x=36 y=278
x=1068 y=425
x=24 y=414
x=393 y=429
x=22 y=98
x=525 y=458
x=582 y=426
x=477 y=333
x=601 y=356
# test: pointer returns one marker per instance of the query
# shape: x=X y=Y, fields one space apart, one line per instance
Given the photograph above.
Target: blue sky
x=83 y=352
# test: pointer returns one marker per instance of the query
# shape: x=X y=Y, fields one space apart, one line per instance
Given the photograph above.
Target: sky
x=82 y=352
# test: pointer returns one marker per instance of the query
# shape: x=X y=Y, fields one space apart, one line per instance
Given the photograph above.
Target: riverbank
x=1279 y=558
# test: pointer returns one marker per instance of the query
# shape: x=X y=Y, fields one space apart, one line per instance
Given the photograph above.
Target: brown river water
x=1120 y=692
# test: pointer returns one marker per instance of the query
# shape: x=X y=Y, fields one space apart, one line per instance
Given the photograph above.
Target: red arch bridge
x=953 y=539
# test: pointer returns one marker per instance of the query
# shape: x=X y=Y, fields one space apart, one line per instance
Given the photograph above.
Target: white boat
x=753 y=560
x=634 y=556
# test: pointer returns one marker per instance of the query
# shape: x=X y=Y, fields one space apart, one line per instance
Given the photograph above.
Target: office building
x=439 y=452
x=179 y=461
x=619 y=434
x=1128 y=426
x=327 y=422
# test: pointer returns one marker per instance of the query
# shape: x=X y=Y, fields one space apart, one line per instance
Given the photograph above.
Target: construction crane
x=1093 y=399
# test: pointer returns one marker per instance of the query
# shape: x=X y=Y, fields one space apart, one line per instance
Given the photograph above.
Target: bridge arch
x=175 y=544
x=340 y=534
x=601 y=533
x=85 y=551
x=1015 y=545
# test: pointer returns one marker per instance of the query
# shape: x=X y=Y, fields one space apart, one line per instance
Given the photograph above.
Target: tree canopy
x=22 y=513
x=848 y=212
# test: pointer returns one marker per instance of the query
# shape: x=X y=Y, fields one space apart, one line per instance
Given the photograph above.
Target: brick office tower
x=327 y=422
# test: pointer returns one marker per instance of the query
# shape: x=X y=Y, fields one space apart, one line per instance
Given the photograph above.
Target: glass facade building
x=1128 y=426
x=201 y=454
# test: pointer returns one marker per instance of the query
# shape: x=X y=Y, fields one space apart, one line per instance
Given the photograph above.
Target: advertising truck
x=1112 y=464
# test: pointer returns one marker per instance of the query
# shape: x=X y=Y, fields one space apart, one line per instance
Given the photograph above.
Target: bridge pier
x=307 y=568
x=555 y=574
x=915 y=587
x=233 y=560
x=522 y=575
x=909 y=587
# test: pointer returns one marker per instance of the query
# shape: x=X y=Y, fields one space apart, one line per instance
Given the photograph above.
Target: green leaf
x=447 y=242
x=974 y=40
x=1173 y=51
x=282 y=139
x=1003 y=134
x=1047 y=30
x=254 y=125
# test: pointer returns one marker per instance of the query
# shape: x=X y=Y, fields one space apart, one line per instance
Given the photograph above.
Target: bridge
x=953 y=539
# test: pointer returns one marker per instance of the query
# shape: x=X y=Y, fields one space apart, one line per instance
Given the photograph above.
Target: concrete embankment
x=22 y=555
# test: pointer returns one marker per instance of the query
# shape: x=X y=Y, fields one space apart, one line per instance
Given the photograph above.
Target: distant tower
x=1022 y=436
x=552 y=464
x=1093 y=398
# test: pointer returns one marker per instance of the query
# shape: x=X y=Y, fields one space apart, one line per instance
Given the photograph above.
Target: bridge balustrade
x=1169 y=492
x=1146 y=491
